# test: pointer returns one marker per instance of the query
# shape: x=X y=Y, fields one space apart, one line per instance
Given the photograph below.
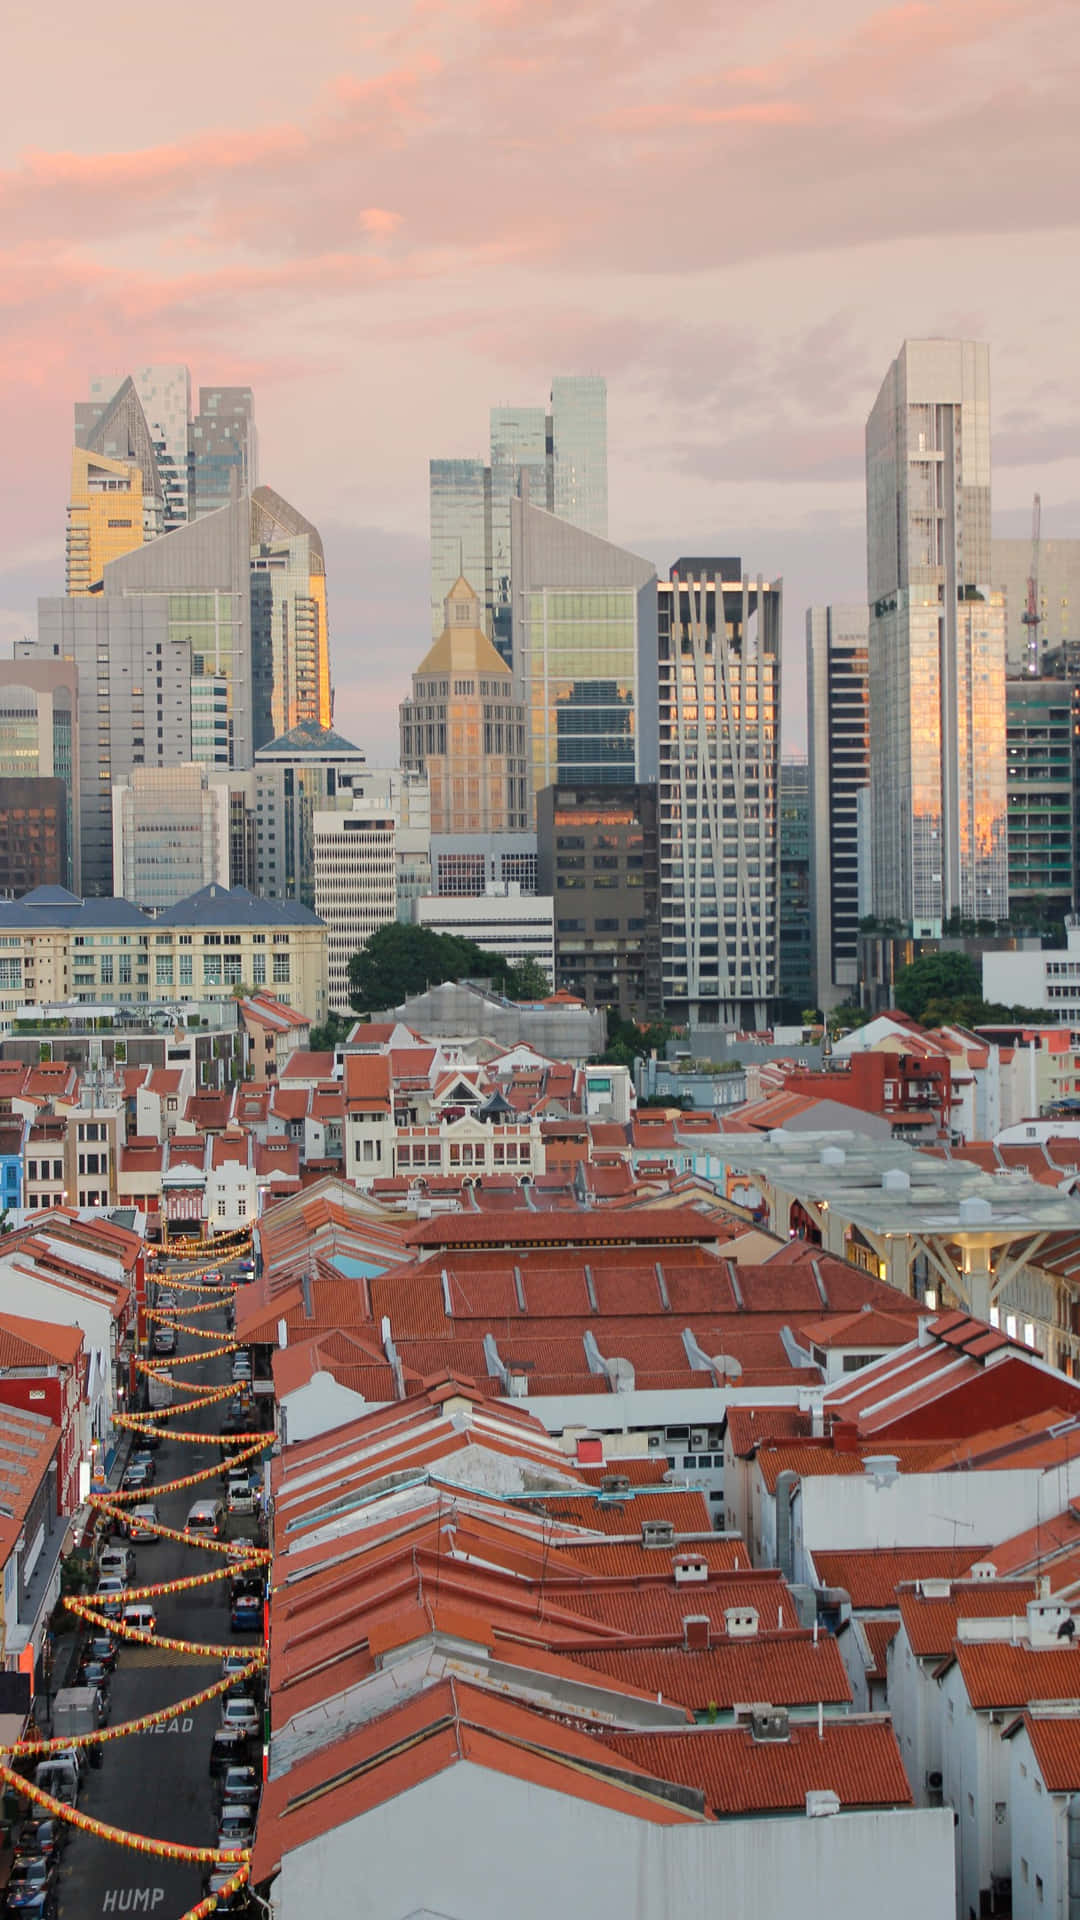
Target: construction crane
x=1031 y=615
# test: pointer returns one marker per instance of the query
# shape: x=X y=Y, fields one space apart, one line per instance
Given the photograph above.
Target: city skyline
x=390 y=317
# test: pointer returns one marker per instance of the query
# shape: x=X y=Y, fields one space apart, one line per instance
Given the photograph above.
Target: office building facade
x=838 y=710
x=1043 y=743
x=39 y=736
x=936 y=643
x=718 y=645
x=585 y=652
x=794 y=949
x=501 y=920
x=164 y=395
x=560 y=451
x=170 y=835
x=224 y=449
x=355 y=887
x=33 y=834
x=598 y=850
x=290 y=630
x=465 y=728
x=471 y=863
x=309 y=769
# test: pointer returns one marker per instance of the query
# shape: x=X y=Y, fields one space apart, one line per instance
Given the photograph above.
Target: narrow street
x=158 y=1784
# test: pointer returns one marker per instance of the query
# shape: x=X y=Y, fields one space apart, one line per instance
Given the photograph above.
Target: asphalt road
x=158 y=1784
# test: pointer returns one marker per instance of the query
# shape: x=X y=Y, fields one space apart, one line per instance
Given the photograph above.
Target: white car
x=240 y=1715
x=239 y=1497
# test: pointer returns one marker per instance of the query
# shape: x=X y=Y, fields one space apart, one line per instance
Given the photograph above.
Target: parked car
x=102 y=1647
x=236 y=1826
x=47 y=1837
x=240 y=1786
x=230 y=1747
x=240 y=1714
x=144 y=1457
x=105 y=1598
x=93 y=1674
x=136 y=1477
x=119 y=1561
x=235 y=1904
x=142 y=1521
x=246 y=1613
x=239 y=1497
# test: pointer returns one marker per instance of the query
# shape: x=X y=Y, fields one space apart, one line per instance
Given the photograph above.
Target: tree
x=627 y=1041
x=334 y=1032
x=400 y=959
x=527 y=981
x=936 y=977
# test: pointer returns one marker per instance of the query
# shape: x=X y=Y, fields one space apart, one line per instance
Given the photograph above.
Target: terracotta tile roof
x=859 y=1330
x=1001 y=1673
x=808 y=1459
x=617 y=1225
x=930 y=1618
x=750 y=1427
x=32 y=1343
x=443 y=1726
x=857 y=1758
x=1055 y=1740
x=688 y=1512
x=367 y=1082
x=786 y=1669
x=871 y=1576
x=305 y=1065
x=27 y=1444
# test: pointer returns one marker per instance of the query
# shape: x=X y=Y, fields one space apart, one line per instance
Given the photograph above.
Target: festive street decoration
x=158 y=1527
x=205 y=1649
x=101 y=1736
x=134 y=1842
x=205 y=1907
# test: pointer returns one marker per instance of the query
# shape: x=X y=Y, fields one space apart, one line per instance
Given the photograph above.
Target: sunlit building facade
x=104 y=516
x=290 y=630
x=936 y=644
x=465 y=727
x=585 y=652
x=719 y=766
x=164 y=394
x=559 y=452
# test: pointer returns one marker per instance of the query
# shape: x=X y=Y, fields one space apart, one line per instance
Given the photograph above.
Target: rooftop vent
x=881 y=1468
x=832 y=1156
x=975 y=1212
x=695 y=1631
x=821 y=1801
x=983 y=1570
x=934 y=1589
x=657 y=1533
x=895 y=1180
x=740 y=1623
x=688 y=1568
x=614 y=1483
x=771 y=1724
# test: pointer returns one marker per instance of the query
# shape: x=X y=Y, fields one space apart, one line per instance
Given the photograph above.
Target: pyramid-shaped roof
x=463 y=646
x=309 y=737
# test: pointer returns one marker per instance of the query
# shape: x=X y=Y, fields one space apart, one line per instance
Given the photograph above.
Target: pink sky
x=388 y=219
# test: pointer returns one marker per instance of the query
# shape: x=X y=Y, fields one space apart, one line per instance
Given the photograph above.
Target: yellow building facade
x=104 y=516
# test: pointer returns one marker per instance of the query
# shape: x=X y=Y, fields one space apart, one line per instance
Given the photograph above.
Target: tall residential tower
x=838 y=707
x=936 y=643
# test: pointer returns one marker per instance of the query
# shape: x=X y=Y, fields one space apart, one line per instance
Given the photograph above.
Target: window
x=241 y=1207
x=281 y=969
x=222 y=1209
x=233 y=970
x=258 y=969
x=163 y=969
x=186 y=963
x=211 y=969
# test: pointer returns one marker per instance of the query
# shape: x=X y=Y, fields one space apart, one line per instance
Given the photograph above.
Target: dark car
x=246 y=1613
x=33 y=1903
x=234 y=1903
x=35 y=1871
x=143 y=1457
x=45 y=1837
x=101 y=1647
x=229 y=1748
x=94 y=1674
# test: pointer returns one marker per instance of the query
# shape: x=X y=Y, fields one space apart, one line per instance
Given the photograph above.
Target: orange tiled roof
x=930 y=1619
x=857 y=1758
x=31 y=1343
x=1055 y=1739
x=871 y=1575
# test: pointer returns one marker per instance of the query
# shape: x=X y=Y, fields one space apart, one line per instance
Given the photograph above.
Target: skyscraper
x=936 y=643
x=719 y=761
x=170 y=835
x=290 y=632
x=190 y=466
x=308 y=770
x=465 y=727
x=561 y=450
x=224 y=448
x=584 y=652
x=794 y=945
x=837 y=702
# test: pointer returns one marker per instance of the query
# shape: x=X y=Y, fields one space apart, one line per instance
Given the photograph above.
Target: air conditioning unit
x=935 y=1781
x=699 y=1439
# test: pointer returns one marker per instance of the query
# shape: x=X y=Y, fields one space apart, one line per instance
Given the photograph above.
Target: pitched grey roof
x=215 y=906
x=56 y=907
x=308 y=737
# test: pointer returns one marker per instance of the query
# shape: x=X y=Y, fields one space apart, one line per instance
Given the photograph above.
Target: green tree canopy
x=401 y=959
x=937 y=978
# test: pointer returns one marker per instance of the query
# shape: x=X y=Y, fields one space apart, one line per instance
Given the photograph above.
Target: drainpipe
x=1073 y=1820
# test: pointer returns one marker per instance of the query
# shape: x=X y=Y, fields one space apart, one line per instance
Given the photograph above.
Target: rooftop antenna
x=1032 y=615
